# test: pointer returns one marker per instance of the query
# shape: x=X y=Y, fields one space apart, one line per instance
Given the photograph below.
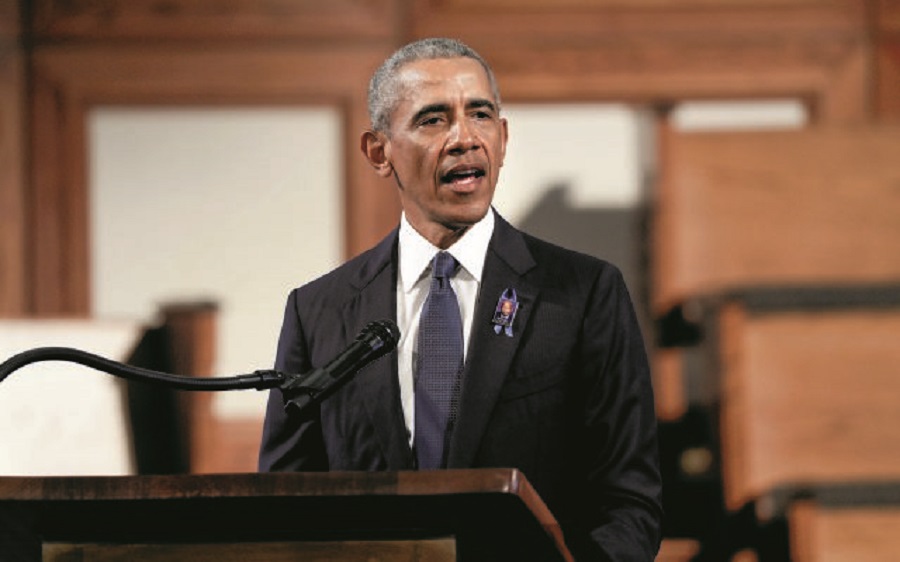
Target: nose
x=463 y=137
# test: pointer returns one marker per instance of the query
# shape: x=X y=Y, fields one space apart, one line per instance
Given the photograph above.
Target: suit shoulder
x=564 y=263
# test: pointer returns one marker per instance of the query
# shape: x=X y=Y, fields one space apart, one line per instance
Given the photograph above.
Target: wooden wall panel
x=70 y=80
x=830 y=79
x=536 y=22
x=887 y=15
x=658 y=52
x=12 y=157
x=887 y=59
x=58 y=226
x=584 y=5
x=310 y=20
x=887 y=96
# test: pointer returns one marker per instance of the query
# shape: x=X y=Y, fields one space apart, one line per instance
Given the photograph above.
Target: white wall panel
x=237 y=205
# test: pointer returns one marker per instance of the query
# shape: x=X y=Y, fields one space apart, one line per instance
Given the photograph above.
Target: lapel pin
x=505 y=313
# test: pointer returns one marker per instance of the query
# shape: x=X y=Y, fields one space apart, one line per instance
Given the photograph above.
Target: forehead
x=436 y=80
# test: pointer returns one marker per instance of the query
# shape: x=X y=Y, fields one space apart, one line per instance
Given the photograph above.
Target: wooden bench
x=817 y=206
x=851 y=527
x=810 y=392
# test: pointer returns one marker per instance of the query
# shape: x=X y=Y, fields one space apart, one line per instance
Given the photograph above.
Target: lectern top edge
x=298 y=484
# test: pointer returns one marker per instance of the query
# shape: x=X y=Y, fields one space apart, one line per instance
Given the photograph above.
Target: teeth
x=463 y=174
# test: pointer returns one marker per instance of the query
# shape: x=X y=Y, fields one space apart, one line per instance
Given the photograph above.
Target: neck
x=439 y=235
x=447 y=236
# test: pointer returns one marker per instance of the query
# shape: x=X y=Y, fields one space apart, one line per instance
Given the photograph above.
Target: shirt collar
x=416 y=252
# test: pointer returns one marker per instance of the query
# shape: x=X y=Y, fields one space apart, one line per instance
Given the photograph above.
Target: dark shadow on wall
x=615 y=234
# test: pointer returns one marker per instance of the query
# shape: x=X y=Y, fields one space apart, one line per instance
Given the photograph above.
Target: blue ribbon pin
x=505 y=313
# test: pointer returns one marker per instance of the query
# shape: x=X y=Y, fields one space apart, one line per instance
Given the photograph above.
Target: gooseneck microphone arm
x=300 y=390
x=259 y=380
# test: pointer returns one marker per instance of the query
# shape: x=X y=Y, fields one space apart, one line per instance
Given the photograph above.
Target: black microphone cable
x=259 y=379
x=374 y=341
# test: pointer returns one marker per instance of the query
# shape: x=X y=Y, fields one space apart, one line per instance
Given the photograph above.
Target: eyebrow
x=444 y=107
x=479 y=103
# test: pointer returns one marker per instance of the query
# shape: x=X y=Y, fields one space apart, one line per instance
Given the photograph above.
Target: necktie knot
x=443 y=266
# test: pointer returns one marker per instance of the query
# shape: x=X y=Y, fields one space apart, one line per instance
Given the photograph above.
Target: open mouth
x=463 y=174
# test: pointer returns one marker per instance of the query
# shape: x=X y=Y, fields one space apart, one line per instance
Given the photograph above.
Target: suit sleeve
x=623 y=510
x=291 y=443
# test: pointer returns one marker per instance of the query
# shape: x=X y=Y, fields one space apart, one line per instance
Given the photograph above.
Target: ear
x=504 y=136
x=376 y=148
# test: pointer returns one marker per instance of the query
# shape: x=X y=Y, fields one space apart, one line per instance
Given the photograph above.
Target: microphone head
x=380 y=334
x=374 y=341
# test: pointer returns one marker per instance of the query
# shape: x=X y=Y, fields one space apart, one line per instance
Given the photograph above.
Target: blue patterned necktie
x=438 y=366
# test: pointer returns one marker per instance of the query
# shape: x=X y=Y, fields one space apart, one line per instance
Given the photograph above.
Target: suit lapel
x=490 y=354
x=376 y=300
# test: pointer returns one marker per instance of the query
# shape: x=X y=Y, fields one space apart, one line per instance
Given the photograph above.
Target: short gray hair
x=384 y=89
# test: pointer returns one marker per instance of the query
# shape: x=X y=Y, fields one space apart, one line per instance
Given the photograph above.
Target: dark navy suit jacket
x=567 y=399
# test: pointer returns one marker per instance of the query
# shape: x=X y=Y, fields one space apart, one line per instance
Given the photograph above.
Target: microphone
x=375 y=340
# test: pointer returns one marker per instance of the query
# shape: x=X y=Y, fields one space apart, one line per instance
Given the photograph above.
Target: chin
x=468 y=217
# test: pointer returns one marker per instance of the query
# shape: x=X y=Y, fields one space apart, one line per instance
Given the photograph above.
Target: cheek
x=496 y=151
x=417 y=159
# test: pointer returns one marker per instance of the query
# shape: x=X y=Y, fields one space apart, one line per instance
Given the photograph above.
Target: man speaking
x=513 y=352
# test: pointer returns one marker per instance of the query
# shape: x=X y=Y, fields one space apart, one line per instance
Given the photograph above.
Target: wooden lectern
x=448 y=515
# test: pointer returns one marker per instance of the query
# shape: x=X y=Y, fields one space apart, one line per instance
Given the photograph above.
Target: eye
x=430 y=121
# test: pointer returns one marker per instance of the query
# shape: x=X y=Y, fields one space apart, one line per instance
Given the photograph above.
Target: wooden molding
x=10 y=22
x=311 y=20
x=13 y=253
x=887 y=79
x=657 y=51
x=58 y=220
x=831 y=77
x=69 y=81
x=887 y=16
x=530 y=23
x=886 y=31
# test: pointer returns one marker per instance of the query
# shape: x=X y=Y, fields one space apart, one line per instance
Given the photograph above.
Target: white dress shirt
x=413 y=283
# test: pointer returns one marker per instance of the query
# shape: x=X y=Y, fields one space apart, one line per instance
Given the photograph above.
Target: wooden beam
x=13 y=286
x=310 y=21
